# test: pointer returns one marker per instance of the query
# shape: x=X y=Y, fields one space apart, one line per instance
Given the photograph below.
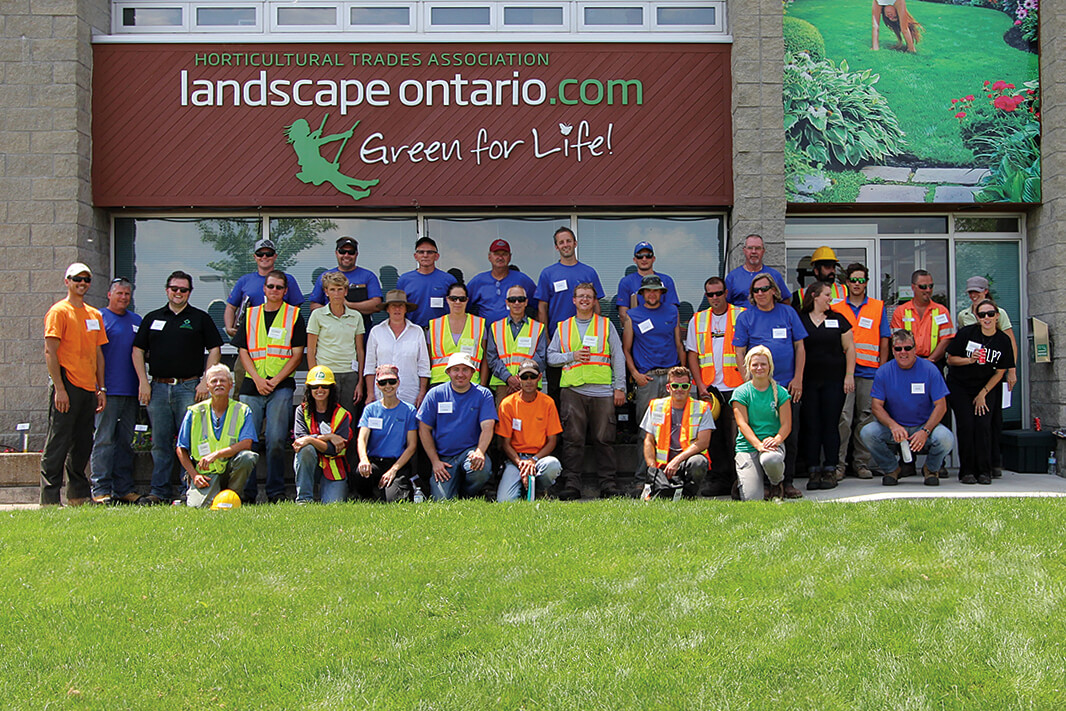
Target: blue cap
x=641 y=246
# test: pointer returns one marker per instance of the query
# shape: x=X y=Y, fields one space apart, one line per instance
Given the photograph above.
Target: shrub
x=802 y=36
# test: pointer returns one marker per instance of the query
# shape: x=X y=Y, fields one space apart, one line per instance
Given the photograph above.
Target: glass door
x=798 y=259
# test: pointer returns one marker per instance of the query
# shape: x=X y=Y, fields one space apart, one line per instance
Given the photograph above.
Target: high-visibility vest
x=837 y=293
x=597 y=371
x=270 y=354
x=201 y=431
x=909 y=317
x=511 y=355
x=661 y=412
x=867 y=339
x=705 y=343
x=334 y=466
x=442 y=345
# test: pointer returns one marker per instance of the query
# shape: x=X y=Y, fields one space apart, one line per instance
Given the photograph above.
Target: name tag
x=645 y=325
x=135 y=328
x=436 y=302
x=971 y=347
x=92 y=324
x=467 y=348
x=917 y=388
x=559 y=285
x=657 y=418
x=866 y=322
x=324 y=428
x=355 y=365
x=525 y=342
x=158 y=325
x=375 y=423
x=908 y=318
x=832 y=323
x=140 y=428
x=276 y=332
x=444 y=408
x=516 y=425
x=940 y=319
x=590 y=341
x=203 y=449
x=780 y=333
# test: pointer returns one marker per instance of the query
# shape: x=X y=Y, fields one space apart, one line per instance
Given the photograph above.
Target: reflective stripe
x=598 y=370
x=442 y=345
x=270 y=354
x=334 y=466
x=867 y=340
x=506 y=344
x=693 y=414
x=202 y=432
x=934 y=328
x=705 y=340
x=837 y=293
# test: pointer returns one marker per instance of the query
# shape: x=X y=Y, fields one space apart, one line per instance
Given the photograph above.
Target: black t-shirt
x=299 y=340
x=995 y=350
x=175 y=343
x=824 y=352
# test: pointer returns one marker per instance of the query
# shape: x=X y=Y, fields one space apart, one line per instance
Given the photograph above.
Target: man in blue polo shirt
x=388 y=429
x=488 y=290
x=455 y=423
x=651 y=341
x=909 y=400
x=426 y=286
x=364 y=289
x=629 y=287
x=555 y=288
x=248 y=291
x=738 y=281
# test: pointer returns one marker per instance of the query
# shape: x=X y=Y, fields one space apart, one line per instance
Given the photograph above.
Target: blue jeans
x=883 y=449
x=112 y=458
x=511 y=489
x=465 y=481
x=277 y=406
x=166 y=410
x=307 y=471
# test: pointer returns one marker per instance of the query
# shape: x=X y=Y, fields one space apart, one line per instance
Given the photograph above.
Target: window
x=227 y=17
x=367 y=16
x=307 y=16
x=533 y=16
x=147 y=17
x=621 y=16
x=685 y=16
x=452 y=16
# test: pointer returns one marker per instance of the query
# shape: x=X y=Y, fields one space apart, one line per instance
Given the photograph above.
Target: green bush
x=836 y=116
x=802 y=36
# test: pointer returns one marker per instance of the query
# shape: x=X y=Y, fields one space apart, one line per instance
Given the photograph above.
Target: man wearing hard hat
x=824 y=265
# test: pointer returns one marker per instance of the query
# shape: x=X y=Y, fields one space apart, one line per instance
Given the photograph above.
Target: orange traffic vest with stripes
x=598 y=369
x=334 y=466
x=442 y=345
x=837 y=293
x=201 y=432
x=909 y=317
x=868 y=338
x=661 y=416
x=511 y=354
x=705 y=342
x=271 y=348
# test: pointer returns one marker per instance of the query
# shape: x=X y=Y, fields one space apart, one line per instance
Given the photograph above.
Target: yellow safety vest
x=705 y=342
x=442 y=345
x=270 y=354
x=598 y=369
x=511 y=355
x=660 y=410
x=201 y=431
x=867 y=339
x=334 y=466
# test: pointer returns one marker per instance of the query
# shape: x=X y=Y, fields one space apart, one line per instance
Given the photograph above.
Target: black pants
x=68 y=445
x=973 y=433
x=820 y=411
x=723 y=472
x=368 y=489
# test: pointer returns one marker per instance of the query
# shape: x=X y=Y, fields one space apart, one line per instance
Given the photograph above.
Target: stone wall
x=46 y=216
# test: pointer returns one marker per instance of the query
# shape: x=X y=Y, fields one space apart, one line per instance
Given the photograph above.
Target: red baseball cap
x=500 y=245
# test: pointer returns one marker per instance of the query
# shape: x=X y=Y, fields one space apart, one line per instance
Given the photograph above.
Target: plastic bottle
x=531 y=487
x=1052 y=464
x=905 y=449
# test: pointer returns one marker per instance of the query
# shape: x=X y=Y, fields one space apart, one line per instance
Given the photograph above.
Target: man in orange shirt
x=73 y=336
x=528 y=428
x=928 y=321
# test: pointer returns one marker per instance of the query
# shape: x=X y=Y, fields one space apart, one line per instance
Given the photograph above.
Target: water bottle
x=905 y=449
x=419 y=496
x=531 y=487
x=1052 y=464
x=646 y=494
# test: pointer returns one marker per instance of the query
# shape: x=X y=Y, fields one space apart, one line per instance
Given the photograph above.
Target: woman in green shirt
x=764 y=419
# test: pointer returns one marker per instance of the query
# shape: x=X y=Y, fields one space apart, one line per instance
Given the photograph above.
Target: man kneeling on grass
x=677 y=433
x=455 y=423
x=528 y=428
x=215 y=441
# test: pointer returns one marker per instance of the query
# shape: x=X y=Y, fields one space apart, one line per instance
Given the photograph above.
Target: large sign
x=411 y=125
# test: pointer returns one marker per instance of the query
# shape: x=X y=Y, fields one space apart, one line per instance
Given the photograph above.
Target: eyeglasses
x=644 y=256
x=986 y=314
x=903 y=349
x=425 y=251
x=262 y=255
x=388 y=381
x=276 y=287
x=81 y=279
x=858 y=280
x=179 y=289
x=349 y=251
x=713 y=294
x=516 y=299
x=458 y=299
x=320 y=387
x=529 y=376
x=761 y=289
x=923 y=286
x=679 y=386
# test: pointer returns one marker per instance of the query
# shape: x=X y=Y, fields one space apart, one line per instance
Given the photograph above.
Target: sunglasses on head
x=986 y=314
x=516 y=299
x=857 y=280
x=903 y=349
x=529 y=376
x=179 y=289
x=761 y=289
x=387 y=381
x=458 y=299
x=276 y=287
x=81 y=279
x=923 y=287
x=679 y=386
x=265 y=254
x=347 y=250
x=713 y=294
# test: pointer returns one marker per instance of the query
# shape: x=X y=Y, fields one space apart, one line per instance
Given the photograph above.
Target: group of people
x=529 y=373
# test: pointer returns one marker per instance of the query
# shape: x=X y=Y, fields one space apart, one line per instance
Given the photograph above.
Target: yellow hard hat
x=226 y=499
x=716 y=408
x=824 y=254
x=320 y=375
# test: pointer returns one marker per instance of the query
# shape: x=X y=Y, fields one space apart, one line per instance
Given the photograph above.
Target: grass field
x=961 y=48
x=893 y=605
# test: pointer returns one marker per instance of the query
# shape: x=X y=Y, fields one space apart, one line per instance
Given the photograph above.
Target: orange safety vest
x=867 y=338
x=334 y=466
x=270 y=354
x=660 y=410
x=705 y=342
x=837 y=293
x=597 y=371
x=442 y=345
x=511 y=355
x=935 y=309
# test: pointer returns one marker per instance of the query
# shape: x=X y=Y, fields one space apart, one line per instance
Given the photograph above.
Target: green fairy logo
x=314 y=169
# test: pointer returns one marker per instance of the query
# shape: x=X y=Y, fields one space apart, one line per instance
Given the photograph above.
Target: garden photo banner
x=912 y=101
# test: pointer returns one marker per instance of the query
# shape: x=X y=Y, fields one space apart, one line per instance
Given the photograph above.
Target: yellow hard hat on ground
x=824 y=254
x=226 y=499
x=320 y=375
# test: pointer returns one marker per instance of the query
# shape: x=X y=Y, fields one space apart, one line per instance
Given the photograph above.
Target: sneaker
x=906 y=470
x=864 y=474
x=104 y=500
x=968 y=479
x=984 y=479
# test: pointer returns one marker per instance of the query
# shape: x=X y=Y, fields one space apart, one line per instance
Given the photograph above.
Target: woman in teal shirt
x=764 y=420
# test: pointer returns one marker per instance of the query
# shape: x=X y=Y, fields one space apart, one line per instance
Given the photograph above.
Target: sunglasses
x=645 y=256
x=388 y=381
x=679 y=386
x=349 y=251
x=260 y=255
x=180 y=289
x=858 y=280
x=81 y=279
x=903 y=349
x=529 y=376
x=320 y=387
x=713 y=294
x=516 y=299
x=276 y=287
x=762 y=289
x=458 y=299
x=923 y=287
x=986 y=314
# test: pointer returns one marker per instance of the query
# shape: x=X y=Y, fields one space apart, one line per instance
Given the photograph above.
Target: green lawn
x=961 y=48
x=935 y=604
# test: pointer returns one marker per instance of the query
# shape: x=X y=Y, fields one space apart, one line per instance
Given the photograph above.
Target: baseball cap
x=386 y=370
x=347 y=242
x=652 y=281
x=460 y=359
x=528 y=366
x=641 y=246
x=500 y=245
x=264 y=244
x=77 y=268
x=977 y=283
